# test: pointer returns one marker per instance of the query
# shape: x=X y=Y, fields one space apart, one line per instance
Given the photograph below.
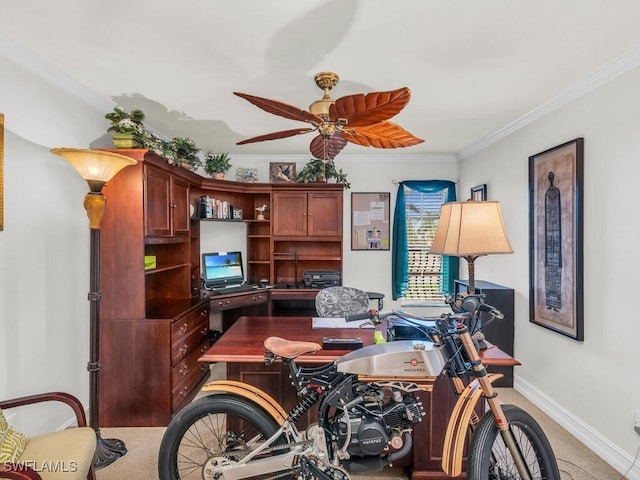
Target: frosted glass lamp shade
x=96 y=166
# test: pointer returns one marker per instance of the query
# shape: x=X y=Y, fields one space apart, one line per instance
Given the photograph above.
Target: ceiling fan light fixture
x=325 y=81
x=321 y=107
x=360 y=118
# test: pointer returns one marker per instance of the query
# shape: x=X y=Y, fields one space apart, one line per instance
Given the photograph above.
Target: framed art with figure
x=555 y=238
x=282 y=172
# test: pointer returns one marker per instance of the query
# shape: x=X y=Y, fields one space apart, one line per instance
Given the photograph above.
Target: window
x=425 y=269
x=417 y=275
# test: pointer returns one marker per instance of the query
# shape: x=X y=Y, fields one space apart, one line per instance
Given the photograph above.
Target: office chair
x=334 y=302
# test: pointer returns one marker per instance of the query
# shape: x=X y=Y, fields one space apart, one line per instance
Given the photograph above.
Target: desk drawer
x=228 y=303
x=183 y=326
x=294 y=294
x=186 y=376
x=189 y=341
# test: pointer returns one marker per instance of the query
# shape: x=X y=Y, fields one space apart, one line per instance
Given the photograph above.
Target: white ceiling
x=474 y=67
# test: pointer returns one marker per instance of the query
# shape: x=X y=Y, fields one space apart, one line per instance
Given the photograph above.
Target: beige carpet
x=575 y=460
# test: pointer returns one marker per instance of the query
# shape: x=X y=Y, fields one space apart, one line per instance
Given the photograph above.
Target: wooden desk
x=234 y=305
x=242 y=348
x=243 y=343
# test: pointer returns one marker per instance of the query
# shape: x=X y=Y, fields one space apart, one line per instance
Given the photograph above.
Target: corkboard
x=370 y=221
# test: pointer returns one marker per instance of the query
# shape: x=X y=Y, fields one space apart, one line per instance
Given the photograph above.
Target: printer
x=321 y=278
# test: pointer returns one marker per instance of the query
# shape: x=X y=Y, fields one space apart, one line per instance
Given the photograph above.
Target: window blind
x=425 y=270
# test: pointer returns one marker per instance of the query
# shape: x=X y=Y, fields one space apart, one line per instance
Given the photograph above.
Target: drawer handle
x=184 y=327
x=183 y=391
x=184 y=349
x=204 y=349
x=204 y=331
x=204 y=368
x=204 y=313
x=183 y=370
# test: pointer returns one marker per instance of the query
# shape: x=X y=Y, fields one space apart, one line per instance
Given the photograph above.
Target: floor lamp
x=470 y=230
x=97 y=168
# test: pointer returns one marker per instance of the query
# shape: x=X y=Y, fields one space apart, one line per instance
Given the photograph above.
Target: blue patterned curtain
x=400 y=257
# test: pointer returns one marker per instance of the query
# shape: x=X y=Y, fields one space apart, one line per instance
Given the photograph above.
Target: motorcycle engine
x=379 y=421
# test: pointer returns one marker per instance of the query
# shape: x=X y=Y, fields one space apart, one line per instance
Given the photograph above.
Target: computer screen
x=222 y=268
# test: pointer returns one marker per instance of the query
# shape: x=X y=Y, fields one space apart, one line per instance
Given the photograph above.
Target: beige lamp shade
x=95 y=166
x=471 y=229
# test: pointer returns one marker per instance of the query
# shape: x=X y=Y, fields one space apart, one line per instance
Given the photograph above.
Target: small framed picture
x=247 y=175
x=282 y=172
x=479 y=193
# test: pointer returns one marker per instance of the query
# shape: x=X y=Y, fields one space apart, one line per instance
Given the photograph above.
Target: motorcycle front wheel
x=490 y=459
x=214 y=430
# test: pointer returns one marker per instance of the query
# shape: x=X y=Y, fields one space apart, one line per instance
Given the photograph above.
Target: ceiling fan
x=360 y=119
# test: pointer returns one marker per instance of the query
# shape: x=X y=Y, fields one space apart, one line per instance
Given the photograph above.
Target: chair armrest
x=17 y=471
x=66 y=398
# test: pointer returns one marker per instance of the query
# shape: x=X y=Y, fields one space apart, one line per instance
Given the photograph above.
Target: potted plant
x=319 y=171
x=217 y=164
x=183 y=152
x=126 y=127
x=153 y=142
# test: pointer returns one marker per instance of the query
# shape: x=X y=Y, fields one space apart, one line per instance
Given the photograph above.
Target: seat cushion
x=63 y=455
x=12 y=443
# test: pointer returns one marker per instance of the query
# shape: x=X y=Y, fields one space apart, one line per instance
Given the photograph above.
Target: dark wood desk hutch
x=154 y=322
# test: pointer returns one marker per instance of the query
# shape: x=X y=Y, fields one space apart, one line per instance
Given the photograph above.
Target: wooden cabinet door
x=324 y=214
x=157 y=192
x=289 y=214
x=166 y=200
x=179 y=207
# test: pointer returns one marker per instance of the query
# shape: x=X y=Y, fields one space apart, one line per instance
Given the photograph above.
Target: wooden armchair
x=61 y=455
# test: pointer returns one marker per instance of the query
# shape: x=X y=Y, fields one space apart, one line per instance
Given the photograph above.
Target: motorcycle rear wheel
x=489 y=458
x=217 y=428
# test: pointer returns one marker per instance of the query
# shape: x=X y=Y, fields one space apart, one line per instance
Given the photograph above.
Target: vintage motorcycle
x=367 y=407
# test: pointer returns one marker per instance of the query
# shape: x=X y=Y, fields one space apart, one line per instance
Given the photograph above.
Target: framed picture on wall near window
x=479 y=193
x=555 y=237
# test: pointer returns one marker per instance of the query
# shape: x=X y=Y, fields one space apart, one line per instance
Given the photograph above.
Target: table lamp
x=97 y=168
x=470 y=230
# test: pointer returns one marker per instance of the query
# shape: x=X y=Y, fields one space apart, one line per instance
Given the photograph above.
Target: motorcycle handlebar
x=470 y=304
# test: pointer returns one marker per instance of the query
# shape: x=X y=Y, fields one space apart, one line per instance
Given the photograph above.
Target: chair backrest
x=332 y=302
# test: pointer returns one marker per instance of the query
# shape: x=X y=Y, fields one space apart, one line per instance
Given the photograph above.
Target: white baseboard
x=609 y=452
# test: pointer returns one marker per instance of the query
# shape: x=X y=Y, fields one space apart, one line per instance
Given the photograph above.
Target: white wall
x=591 y=386
x=44 y=248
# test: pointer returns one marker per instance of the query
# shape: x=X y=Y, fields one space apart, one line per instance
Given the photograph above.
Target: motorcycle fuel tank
x=406 y=358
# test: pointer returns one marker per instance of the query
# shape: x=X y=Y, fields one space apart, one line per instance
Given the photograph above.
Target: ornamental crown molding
x=604 y=74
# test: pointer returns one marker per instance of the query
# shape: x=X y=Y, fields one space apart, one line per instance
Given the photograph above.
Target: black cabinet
x=498 y=332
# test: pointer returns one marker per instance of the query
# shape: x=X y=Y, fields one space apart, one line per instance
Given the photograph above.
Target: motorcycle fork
x=495 y=406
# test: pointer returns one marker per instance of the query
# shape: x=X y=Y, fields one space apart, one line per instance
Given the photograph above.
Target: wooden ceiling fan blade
x=281 y=109
x=276 y=135
x=327 y=149
x=381 y=135
x=362 y=110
